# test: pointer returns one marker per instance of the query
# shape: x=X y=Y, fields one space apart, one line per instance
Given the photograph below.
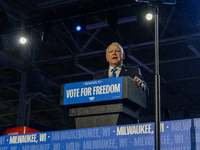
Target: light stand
x=157 y=81
x=156 y=4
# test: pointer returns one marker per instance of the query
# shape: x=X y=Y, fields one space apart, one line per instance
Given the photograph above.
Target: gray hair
x=122 y=50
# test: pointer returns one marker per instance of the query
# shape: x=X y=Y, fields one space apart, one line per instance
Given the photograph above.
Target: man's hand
x=138 y=81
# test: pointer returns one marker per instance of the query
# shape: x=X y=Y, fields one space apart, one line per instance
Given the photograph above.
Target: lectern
x=104 y=102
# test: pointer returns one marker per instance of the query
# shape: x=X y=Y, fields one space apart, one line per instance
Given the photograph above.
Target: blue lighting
x=78 y=28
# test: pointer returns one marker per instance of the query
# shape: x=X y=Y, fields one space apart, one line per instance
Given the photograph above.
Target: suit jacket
x=125 y=71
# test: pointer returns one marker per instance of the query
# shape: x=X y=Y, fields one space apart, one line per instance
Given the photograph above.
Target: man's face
x=114 y=55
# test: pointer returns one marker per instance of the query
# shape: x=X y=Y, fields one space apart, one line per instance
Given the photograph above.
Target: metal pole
x=157 y=82
x=22 y=101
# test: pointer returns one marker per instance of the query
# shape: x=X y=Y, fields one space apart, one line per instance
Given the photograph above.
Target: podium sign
x=92 y=91
x=104 y=102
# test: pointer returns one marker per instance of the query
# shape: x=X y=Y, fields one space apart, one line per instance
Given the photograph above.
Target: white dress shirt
x=117 y=72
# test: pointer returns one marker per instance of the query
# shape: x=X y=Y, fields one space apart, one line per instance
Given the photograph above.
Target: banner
x=19 y=130
x=175 y=135
x=92 y=91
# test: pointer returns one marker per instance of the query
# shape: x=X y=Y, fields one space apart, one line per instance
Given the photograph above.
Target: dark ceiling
x=32 y=74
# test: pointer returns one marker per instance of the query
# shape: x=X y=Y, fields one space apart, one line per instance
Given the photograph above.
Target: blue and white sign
x=175 y=135
x=93 y=91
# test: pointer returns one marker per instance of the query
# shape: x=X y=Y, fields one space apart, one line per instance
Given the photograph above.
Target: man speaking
x=115 y=56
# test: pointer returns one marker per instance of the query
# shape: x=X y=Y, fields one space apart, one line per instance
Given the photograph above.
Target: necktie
x=114 y=72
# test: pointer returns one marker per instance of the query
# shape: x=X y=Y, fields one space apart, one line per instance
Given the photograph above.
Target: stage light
x=149 y=16
x=78 y=28
x=80 y=25
x=23 y=40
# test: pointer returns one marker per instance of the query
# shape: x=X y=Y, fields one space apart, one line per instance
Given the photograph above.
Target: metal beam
x=71 y=36
x=82 y=67
x=194 y=50
x=105 y=24
x=141 y=64
x=168 y=21
x=64 y=43
x=52 y=3
x=90 y=39
x=11 y=62
x=22 y=102
x=144 y=45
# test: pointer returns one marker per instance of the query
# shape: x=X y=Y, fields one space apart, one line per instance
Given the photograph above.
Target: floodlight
x=149 y=16
x=23 y=40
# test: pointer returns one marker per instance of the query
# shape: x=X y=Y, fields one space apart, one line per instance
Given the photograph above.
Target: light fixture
x=149 y=16
x=78 y=28
x=80 y=25
x=23 y=40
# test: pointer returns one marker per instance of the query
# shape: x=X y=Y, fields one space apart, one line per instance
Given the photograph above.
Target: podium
x=104 y=102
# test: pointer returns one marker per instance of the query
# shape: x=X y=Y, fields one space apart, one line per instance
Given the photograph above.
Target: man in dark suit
x=115 y=56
